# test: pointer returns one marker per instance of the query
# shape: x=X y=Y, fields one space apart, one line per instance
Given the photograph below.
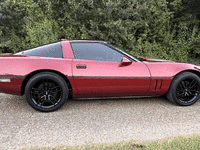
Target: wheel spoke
x=44 y=96
x=185 y=98
x=55 y=89
x=192 y=84
x=194 y=92
x=36 y=91
x=52 y=101
x=47 y=84
x=180 y=94
x=183 y=84
x=50 y=84
x=181 y=90
x=188 y=97
x=40 y=101
x=43 y=84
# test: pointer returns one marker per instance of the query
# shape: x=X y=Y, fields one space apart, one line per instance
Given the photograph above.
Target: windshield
x=133 y=58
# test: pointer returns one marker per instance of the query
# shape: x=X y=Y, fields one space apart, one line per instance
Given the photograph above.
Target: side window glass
x=51 y=50
x=95 y=51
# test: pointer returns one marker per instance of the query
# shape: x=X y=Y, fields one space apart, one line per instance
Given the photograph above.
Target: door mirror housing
x=125 y=62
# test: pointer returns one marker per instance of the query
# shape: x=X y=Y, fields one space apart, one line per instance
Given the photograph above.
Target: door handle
x=81 y=66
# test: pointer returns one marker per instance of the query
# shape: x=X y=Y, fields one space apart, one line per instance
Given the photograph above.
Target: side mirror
x=125 y=62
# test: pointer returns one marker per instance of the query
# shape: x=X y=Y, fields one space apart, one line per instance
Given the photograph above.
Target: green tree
x=40 y=27
x=187 y=23
x=167 y=29
x=11 y=21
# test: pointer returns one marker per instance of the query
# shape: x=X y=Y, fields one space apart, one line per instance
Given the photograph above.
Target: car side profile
x=49 y=75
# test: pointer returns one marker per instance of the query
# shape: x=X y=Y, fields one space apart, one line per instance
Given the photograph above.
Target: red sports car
x=49 y=75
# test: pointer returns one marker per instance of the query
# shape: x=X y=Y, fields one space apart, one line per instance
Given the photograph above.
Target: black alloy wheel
x=46 y=92
x=184 y=89
x=187 y=90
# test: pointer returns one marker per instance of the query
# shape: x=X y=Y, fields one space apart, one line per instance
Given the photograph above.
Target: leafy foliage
x=166 y=29
x=11 y=20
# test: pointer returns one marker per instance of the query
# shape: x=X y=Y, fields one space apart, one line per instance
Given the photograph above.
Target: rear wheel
x=184 y=89
x=46 y=92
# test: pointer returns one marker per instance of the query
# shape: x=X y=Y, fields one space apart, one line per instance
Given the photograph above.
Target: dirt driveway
x=98 y=121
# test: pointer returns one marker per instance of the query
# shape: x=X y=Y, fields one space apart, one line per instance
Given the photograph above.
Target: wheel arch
x=27 y=78
x=191 y=71
x=169 y=93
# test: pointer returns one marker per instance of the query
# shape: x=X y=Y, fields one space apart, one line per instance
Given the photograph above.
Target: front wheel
x=184 y=89
x=46 y=92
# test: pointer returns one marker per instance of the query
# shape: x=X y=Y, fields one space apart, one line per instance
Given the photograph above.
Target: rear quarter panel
x=17 y=68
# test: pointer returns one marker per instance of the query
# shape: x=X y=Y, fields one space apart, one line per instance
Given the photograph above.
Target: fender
x=162 y=73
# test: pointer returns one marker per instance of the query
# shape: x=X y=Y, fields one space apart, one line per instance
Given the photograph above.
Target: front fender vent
x=158 y=85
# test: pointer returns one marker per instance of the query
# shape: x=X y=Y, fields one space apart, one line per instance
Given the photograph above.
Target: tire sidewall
x=50 y=76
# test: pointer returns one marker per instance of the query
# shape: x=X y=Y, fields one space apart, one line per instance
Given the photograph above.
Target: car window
x=51 y=50
x=95 y=51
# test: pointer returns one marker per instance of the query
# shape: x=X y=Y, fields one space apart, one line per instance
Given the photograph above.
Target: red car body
x=99 y=79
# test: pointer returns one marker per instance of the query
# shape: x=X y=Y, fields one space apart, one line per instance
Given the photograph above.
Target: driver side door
x=97 y=72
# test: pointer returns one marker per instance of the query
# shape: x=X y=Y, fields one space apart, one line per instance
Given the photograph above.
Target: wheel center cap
x=186 y=93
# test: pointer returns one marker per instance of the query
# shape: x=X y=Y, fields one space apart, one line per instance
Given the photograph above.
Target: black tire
x=184 y=89
x=46 y=92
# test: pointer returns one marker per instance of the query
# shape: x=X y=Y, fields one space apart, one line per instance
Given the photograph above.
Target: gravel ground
x=93 y=121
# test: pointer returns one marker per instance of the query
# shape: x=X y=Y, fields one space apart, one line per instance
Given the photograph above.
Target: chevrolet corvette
x=49 y=75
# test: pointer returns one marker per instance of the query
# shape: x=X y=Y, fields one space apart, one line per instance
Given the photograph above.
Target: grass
x=191 y=142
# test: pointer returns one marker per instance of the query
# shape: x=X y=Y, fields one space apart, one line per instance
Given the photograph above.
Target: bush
x=149 y=28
